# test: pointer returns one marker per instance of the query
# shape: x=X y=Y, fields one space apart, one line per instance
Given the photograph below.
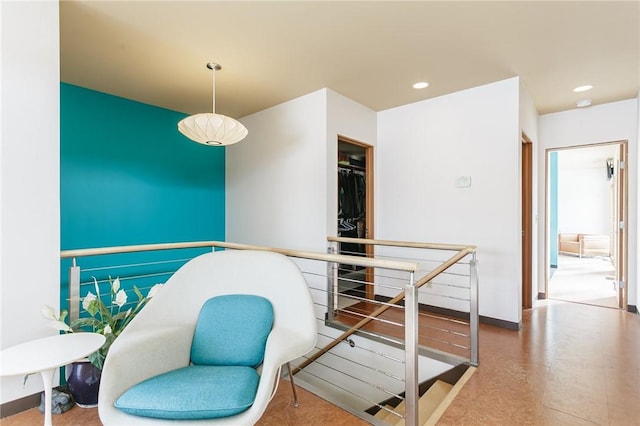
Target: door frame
x=622 y=215
x=527 y=222
x=369 y=207
x=622 y=234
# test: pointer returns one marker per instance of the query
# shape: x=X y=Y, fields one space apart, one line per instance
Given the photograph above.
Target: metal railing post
x=74 y=291
x=411 y=352
x=332 y=282
x=473 y=310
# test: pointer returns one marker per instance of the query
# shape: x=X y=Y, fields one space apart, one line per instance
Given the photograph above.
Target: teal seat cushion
x=232 y=330
x=191 y=393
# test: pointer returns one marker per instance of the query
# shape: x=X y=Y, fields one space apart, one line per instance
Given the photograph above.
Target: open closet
x=354 y=210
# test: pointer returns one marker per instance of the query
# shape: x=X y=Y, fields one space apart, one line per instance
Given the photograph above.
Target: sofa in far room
x=584 y=244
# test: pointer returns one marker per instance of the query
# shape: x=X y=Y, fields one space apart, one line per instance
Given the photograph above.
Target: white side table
x=45 y=356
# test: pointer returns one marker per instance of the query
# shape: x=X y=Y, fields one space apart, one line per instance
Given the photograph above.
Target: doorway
x=586 y=210
x=355 y=212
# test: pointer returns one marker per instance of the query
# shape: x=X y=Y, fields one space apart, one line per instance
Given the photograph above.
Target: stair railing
x=410 y=295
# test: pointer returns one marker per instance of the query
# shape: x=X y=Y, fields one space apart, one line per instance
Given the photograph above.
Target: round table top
x=48 y=352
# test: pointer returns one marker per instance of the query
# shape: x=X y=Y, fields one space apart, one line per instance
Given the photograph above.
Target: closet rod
x=350 y=167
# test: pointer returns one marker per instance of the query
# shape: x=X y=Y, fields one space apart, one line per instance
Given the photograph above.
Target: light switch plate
x=463 y=182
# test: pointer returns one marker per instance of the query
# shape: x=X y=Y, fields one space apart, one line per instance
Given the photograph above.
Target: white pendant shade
x=212 y=129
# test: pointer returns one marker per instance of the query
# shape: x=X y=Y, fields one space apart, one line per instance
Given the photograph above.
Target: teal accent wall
x=127 y=176
x=553 y=209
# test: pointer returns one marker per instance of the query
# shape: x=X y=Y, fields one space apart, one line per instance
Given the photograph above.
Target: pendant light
x=211 y=128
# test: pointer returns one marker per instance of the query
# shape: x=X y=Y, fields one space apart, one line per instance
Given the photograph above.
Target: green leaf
x=105 y=313
x=91 y=322
x=94 y=307
x=97 y=359
x=138 y=293
x=119 y=316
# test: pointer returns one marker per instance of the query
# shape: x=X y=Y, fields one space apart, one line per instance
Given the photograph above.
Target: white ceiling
x=370 y=51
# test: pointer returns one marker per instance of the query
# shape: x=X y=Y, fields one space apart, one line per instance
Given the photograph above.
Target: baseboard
x=542 y=296
x=19 y=405
x=501 y=323
x=457 y=314
x=632 y=308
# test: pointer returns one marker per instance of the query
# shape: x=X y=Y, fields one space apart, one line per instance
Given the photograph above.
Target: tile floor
x=571 y=364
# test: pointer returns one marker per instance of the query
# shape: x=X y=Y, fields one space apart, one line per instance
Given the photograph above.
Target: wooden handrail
x=431 y=275
x=446 y=265
x=131 y=249
x=351 y=260
x=434 y=246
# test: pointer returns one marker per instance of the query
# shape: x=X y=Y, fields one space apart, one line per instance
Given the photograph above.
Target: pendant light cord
x=213 y=67
x=213 y=79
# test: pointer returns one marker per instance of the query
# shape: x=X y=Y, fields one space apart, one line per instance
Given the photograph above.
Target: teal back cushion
x=232 y=330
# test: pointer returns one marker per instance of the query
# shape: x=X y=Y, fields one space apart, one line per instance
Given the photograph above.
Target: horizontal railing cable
x=361 y=348
x=372 y=403
x=135 y=265
x=381 y=320
x=130 y=277
x=444 y=266
x=368 y=367
x=358 y=379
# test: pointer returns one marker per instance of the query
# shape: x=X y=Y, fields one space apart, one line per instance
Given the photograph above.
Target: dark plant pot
x=84 y=383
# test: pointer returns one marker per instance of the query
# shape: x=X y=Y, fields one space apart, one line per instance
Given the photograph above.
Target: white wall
x=423 y=148
x=616 y=121
x=585 y=198
x=29 y=177
x=276 y=179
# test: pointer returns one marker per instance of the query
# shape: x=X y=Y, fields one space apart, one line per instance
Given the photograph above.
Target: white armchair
x=159 y=339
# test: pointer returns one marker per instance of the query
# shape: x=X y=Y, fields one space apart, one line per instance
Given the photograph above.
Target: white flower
x=115 y=286
x=49 y=313
x=107 y=330
x=95 y=284
x=154 y=290
x=86 y=301
x=121 y=298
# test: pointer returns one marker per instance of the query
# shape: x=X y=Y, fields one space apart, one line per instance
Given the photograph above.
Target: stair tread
x=384 y=415
x=428 y=402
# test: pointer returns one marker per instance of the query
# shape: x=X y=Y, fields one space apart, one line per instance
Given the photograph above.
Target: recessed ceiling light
x=583 y=103
x=421 y=85
x=583 y=88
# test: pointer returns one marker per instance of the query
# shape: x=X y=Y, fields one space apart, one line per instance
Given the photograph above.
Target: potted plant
x=107 y=314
